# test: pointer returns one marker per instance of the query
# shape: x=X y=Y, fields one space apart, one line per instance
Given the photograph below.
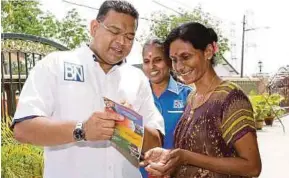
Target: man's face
x=113 y=36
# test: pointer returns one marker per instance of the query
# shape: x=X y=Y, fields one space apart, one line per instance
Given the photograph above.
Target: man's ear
x=94 y=24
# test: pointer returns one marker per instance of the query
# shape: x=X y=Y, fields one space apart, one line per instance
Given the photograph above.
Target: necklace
x=203 y=96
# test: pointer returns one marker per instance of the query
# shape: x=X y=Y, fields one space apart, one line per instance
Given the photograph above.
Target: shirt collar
x=173 y=86
x=92 y=58
x=87 y=52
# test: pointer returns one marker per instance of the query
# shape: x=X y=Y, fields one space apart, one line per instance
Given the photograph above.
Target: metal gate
x=19 y=54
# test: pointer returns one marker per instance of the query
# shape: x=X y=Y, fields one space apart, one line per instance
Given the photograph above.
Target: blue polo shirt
x=171 y=105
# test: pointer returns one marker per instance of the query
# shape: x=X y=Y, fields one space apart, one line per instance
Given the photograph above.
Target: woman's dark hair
x=195 y=33
x=118 y=6
x=158 y=43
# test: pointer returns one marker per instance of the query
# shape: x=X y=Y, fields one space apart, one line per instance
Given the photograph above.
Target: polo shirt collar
x=92 y=58
x=173 y=86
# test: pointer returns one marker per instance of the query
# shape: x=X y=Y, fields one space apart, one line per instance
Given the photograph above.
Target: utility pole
x=260 y=64
x=243 y=46
x=243 y=42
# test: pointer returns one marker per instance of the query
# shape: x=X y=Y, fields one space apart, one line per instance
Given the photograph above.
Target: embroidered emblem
x=73 y=72
x=178 y=104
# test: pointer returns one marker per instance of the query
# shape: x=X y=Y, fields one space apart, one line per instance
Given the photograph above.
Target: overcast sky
x=268 y=45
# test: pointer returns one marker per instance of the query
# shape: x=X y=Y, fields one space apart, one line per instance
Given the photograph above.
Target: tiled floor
x=274 y=149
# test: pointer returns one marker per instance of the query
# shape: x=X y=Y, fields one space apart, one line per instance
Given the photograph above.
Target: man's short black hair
x=118 y=6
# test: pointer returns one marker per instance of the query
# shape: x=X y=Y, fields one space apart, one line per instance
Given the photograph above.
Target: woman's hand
x=155 y=155
x=162 y=162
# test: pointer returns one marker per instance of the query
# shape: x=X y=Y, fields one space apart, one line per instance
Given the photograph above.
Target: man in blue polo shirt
x=169 y=95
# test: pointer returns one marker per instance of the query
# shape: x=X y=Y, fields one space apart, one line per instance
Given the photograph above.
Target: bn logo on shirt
x=178 y=104
x=73 y=72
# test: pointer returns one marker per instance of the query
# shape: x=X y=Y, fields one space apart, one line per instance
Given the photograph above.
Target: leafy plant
x=19 y=160
x=267 y=105
x=258 y=104
x=27 y=17
x=272 y=105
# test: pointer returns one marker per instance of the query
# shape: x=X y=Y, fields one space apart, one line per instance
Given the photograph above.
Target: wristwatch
x=78 y=132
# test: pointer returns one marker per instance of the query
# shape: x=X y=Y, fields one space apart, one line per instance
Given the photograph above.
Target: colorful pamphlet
x=129 y=133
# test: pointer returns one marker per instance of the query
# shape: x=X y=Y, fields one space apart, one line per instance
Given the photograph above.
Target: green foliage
x=19 y=160
x=26 y=17
x=23 y=161
x=266 y=105
x=70 y=33
x=164 y=23
x=21 y=16
x=6 y=133
x=258 y=104
x=273 y=104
